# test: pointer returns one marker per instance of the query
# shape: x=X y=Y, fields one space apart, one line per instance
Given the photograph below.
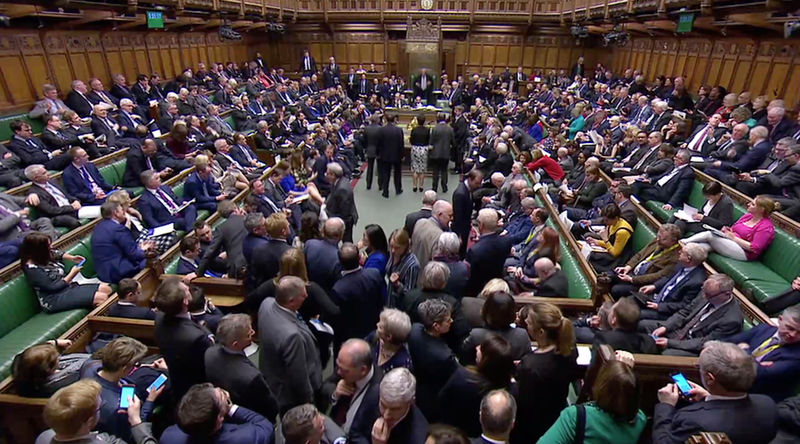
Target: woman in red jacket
x=553 y=171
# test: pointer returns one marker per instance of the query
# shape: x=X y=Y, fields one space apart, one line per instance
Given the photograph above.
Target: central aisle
x=391 y=213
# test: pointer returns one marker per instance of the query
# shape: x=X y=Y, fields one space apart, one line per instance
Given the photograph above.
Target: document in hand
x=686 y=214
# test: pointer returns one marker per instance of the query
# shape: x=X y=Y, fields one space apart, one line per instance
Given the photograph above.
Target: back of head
x=499 y=310
x=289 y=287
x=170 y=296
x=732 y=368
x=348 y=256
x=615 y=391
x=433 y=311
x=334 y=228
x=399 y=385
x=32 y=367
x=72 y=406
x=435 y=276
x=120 y=352
x=198 y=411
x=277 y=225
x=226 y=207
x=252 y=221
x=446 y=434
x=297 y=424
x=558 y=329
x=627 y=312
x=232 y=327
x=497 y=413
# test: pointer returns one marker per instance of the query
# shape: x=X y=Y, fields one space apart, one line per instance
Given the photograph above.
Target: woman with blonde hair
x=544 y=376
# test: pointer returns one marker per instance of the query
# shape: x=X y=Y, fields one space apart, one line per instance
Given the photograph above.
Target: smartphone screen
x=682 y=383
x=128 y=391
x=157 y=383
x=82 y=261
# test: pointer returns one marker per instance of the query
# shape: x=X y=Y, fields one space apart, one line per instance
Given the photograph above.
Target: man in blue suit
x=672 y=293
x=721 y=403
x=322 y=255
x=760 y=147
x=114 y=249
x=159 y=205
x=673 y=188
x=202 y=187
x=777 y=352
x=83 y=180
x=245 y=156
x=206 y=414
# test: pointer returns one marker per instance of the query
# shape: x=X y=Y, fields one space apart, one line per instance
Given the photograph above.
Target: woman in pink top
x=747 y=238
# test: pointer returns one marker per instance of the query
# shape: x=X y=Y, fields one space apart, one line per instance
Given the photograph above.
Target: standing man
x=289 y=358
x=423 y=86
x=390 y=155
x=340 y=203
x=460 y=133
x=442 y=138
x=360 y=294
x=462 y=207
x=309 y=65
x=372 y=134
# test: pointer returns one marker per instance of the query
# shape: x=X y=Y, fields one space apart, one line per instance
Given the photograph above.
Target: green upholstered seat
x=135 y=191
x=203 y=214
x=119 y=166
x=655 y=207
x=84 y=248
x=230 y=121
x=642 y=235
x=110 y=175
x=5 y=125
x=178 y=189
x=579 y=287
x=172 y=267
x=696 y=199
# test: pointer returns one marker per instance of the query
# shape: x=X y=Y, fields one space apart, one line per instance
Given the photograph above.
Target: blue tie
x=670 y=285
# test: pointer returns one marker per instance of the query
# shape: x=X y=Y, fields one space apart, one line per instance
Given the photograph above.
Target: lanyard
x=655 y=256
x=765 y=348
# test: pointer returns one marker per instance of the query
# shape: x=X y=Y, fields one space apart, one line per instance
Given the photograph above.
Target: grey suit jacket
x=423 y=241
x=288 y=358
x=441 y=139
x=722 y=322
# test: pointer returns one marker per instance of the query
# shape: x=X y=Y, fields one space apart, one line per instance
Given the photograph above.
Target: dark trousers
x=648 y=191
x=777 y=304
x=370 y=170
x=186 y=220
x=67 y=221
x=439 y=167
x=210 y=206
x=58 y=163
x=12 y=178
x=387 y=173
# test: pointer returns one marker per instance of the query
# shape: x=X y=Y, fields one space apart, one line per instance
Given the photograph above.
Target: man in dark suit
x=142 y=91
x=98 y=93
x=341 y=203
x=552 y=280
x=114 y=249
x=661 y=117
x=423 y=86
x=75 y=133
x=497 y=415
x=372 y=134
x=399 y=420
x=181 y=341
x=355 y=386
x=202 y=187
x=703 y=139
x=54 y=138
x=322 y=255
x=55 y=203
x=460 y=134
x=673 y=188
x=428 y=199
x=778 y=124
x=777 y=352
x=83 y=180
x=672 y=293
x=782 y=184
x=442 y=138
x=256 y=228
x=228 y=368
x=31 y=150
x=127 y=306
x=103 y=125
x=227 y=237
x=462 y=207
x=77 y=99
x=211 y=417
x=190 y=249
x=14 y=221
x=266 y=258
x=331 y=74
x=288 y=358
x=242 y=153
x=141 y=159
x=159 y=205
x=360 y=294
x=364 y=87
x=487 y=255
x=390 y=155
x=760 y=148
x=714 y=316
x=265 y=203
x=721 y=403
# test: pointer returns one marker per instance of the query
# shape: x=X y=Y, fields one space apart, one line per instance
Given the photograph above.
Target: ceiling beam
x=91 y=16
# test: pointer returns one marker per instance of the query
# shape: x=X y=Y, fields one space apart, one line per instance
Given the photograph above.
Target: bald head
x=544 y=268
x=334 y=228
x=443 y=212
x=487 y=220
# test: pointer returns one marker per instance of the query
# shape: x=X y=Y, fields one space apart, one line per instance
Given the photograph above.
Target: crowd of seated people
x=423 y=327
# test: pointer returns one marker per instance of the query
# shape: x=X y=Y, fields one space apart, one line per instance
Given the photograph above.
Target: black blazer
x=723 y=322
x=131 y=312
x=183 y=344
x=412 y=218
x=556 y=286
x=47 y=203
x=420 y=136
x=462 y=212
x=266 y=261
x=341 y=203
x=486 y=258
x=678 y=187
x=360 y=295
x=721 y=215
x=238 y=375
x=367 y=413
x=227 y=237
x=390 y=148
x=136 y=164
x=434 y=363
x=372 y=135
x=81 y=105
x=751 y=420
x=631 y=342
x=681 y=294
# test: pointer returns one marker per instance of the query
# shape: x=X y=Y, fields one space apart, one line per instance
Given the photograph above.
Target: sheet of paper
x=623 y=169
x=89 y=212
x=80 y=279
x=164 y=229
x=584 y=355
x=698 y=159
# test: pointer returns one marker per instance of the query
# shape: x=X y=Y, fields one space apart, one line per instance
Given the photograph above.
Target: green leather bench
x=696 y=199
x=23 y=323
x=5 y=125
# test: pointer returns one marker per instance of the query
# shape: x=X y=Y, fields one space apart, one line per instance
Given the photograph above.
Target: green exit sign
x=685 y=23
x=155 y=19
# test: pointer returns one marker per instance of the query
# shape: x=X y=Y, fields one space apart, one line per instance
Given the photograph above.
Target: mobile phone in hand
x=682 y=383
x=82 y=261
x=128 y=391
x=157 y=383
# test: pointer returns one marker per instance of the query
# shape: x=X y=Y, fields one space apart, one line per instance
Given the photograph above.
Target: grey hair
x=488 y=218
x=335 y=169
x=684 y=154
x=429 y=197
x=396 y=323
x=528 y=202
x=497 y=413
x=399 y=385
x=220 y=143
x=288 y=288
x=671 y=229
x=502 y=148
x=760 y=132
x=435 y=275
x=146 y=176
x=233 y=327
x=31 y=169
x=696 y=253
x=724 y=282
x=447 y=244
x=731 y=366
x=792 y=312
x=432 y=311
x=253 y=221
x=125 y=102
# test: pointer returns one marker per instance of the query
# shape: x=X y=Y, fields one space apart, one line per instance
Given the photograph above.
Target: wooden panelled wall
x=477 y=53
x=763 y=67
x=29 y=59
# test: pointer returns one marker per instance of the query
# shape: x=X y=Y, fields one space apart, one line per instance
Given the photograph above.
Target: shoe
x=369 y=188
x=444 y=188
x=399 y=193
x=385 y=195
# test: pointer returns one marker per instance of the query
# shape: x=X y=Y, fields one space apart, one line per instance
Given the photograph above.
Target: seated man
x=396 y=417
x=14 y=221
x=622 y=335
x=207 y=414
x=141 y=159
x=720 y=404
x=671 y=293
x=160 y=206
x=190 y=252
x=202 y=311
x=656 y=260
x=32 y=151
x=54 y=202
x=776 y=350
x=672 y=188
x=225 y=242
x=552 y=280
x=83 y=180
x=202 y=187
x=114 y=250
x=716 y=315
x=229 y=368
x=129 y=293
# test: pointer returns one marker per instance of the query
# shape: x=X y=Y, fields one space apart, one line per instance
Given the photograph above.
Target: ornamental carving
x=424 y=30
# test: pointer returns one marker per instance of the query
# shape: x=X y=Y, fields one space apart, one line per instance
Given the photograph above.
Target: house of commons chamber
x=400 y=222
